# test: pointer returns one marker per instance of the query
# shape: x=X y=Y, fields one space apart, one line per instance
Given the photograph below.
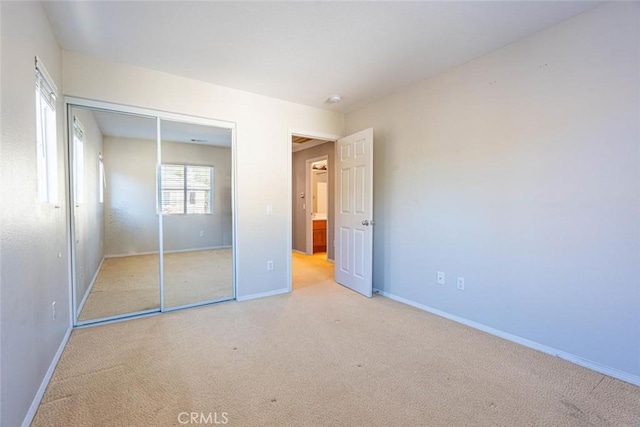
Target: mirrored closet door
x=116 y=261
x=195 y=197
x=152 y=203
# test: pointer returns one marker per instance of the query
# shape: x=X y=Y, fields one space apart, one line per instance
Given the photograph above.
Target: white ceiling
x=301 y=51
x=136 y=127
x=195 y=134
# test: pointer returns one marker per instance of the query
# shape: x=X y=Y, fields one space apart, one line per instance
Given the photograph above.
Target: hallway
x=311 y=270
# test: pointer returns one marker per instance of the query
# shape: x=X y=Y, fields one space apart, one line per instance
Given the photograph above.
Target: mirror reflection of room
x=196 y=205
x=116 y=261
x=121 y=195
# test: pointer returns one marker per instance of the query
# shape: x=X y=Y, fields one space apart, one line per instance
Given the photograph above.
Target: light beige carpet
x=321 y=356
x=131 y=284
x=191 y=277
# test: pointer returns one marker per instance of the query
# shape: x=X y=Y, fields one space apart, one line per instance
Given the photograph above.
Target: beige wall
x=299 y=159
x=130 y=199
x=131 y=223
x=33 y=276
x=520 y=171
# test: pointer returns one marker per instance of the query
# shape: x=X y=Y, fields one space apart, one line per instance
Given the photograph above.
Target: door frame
x=158 y=115
x=308 y=220
x=308 y=134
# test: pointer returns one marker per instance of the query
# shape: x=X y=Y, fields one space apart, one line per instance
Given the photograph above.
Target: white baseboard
x=45 y=381
x=594 y=366
x=263 y=294
x=208 y=248
x=88 y=291
x=197 y=249
x=131 y=254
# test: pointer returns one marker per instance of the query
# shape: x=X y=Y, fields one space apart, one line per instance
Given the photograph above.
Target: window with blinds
x=186 y=189
x=46 y=136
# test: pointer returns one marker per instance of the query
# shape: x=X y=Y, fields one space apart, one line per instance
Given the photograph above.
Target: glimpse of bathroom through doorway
x=319 y=204
x=313 y=204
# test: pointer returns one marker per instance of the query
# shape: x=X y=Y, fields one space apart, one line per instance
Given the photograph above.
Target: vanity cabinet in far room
x=319 y=235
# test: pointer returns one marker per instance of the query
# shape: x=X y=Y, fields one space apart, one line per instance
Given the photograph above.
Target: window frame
x=46 y=119
x=102 y=180
x=185 y=189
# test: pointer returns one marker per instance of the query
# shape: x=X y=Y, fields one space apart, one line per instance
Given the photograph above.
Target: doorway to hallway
x=312 y=210
x=311 y=270
x=349 y=223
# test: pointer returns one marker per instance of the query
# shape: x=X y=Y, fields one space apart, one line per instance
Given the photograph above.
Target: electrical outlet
x=460 y=283
x=53 y=310
x=269 y=265
x=440 y=278
x=269 y=209
x=201 y=233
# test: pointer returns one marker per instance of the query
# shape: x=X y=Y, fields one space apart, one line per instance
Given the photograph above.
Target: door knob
x=365 y=222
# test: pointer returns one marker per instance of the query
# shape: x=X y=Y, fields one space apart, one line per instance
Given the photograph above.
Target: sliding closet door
x=113 y=163
x=194 y=194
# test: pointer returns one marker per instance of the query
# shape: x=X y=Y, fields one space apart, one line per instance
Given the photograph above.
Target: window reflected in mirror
x=194 y=196
x=152 y=214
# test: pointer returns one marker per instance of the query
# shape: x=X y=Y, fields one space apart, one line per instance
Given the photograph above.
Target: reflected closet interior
x=152 y=221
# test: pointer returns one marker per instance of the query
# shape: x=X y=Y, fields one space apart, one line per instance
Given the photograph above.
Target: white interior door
x=354 y=212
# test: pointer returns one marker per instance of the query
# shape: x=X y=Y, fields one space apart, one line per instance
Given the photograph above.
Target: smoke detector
x=333 y=99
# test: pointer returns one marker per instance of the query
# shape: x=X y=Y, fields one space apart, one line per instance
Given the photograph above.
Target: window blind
x=44 y=83
x=186 y=189
x=199 y=189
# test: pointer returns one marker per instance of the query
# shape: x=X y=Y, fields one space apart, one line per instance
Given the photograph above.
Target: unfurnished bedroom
x=320 y=213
